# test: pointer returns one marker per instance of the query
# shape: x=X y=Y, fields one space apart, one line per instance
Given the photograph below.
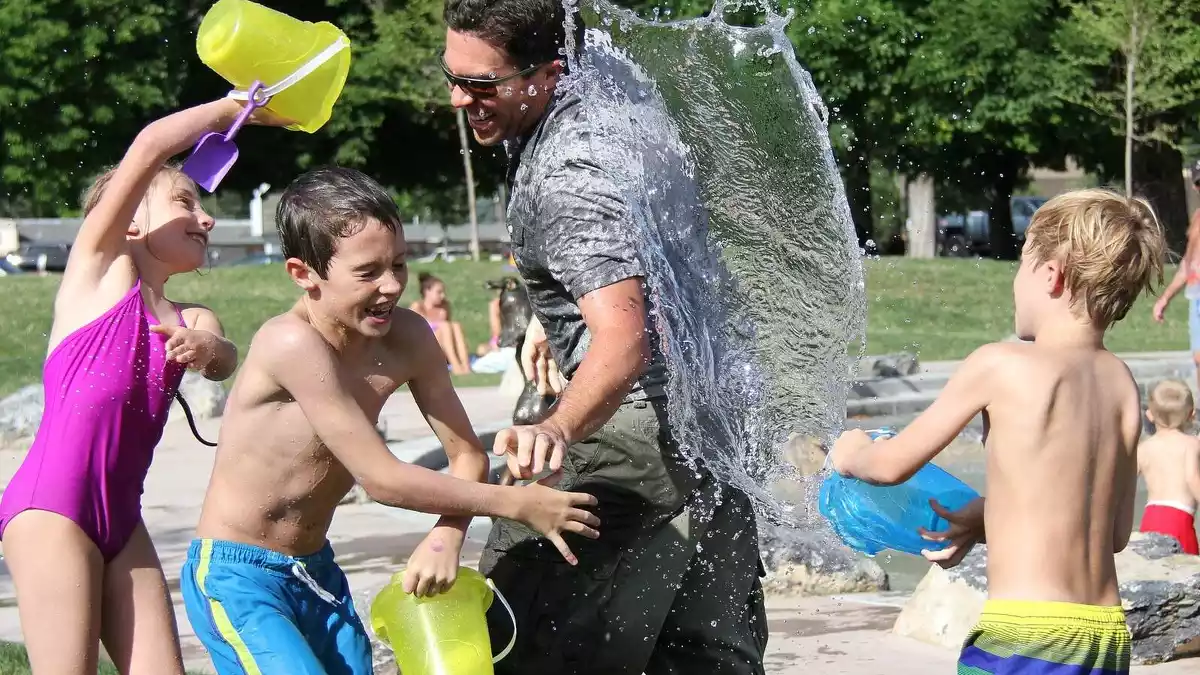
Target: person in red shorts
x=1170 y=462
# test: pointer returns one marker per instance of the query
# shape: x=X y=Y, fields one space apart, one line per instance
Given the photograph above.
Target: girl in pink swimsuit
x=434 y=307
x=82 y=563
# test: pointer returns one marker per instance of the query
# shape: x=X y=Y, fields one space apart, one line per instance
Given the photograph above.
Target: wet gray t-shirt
x=571 y=234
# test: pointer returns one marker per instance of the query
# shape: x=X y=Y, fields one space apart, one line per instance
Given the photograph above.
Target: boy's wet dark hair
x=327 y=204
x=531 y=31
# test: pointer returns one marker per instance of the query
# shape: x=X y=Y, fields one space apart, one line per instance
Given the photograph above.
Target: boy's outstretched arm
x=893 y=461
x=1126 y=506
x=433 y=566
x=303 y=364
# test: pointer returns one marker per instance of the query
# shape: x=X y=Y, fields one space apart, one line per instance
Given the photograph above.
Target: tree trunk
x=1131 y=58
x=858 y=193
x=922 y=222
x=470 y=175
x=1000 y=229
x=1159 y=169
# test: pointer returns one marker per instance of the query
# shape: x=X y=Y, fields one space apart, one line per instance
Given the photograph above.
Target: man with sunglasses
x=673 y=580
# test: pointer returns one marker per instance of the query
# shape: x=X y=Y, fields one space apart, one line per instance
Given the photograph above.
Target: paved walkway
x=831 y=636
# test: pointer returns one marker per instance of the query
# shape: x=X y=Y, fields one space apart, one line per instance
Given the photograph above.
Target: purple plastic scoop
x=216 y=153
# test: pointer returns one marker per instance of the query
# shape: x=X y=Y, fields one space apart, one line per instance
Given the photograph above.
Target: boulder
x=513 y=381
x=20 y=413
x=900 y=364
x=1160 y=591
x=801 y=562
x=810 y=560
x=205 y=398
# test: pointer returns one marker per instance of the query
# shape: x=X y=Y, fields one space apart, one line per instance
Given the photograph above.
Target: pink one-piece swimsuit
x=108 y=389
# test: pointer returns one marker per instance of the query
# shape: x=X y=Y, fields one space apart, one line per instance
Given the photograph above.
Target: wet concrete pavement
x=847 y=635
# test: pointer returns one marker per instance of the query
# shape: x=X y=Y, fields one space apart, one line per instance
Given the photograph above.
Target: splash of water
x=705 y=123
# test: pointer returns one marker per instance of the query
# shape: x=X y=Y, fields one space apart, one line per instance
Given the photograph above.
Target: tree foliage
x=1134 y=64
x=973 y=92
x=78 y=78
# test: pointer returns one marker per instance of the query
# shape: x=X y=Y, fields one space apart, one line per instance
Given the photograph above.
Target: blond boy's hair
x=1171 y=404
x=1110 y=246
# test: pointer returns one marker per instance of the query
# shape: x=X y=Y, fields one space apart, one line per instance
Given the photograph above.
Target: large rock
x=1160 y=591
x=21 y=413
x=810 y=560
x=812 y=563
x=888 y=365
x=513 y=381
x=205 y=397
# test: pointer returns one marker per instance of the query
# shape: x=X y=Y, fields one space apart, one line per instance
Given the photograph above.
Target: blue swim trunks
x=259 y=612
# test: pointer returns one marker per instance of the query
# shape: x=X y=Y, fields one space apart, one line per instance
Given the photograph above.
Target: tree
x=857 y=52
x=977 y=112
x=78 y=79
x=1155 y=46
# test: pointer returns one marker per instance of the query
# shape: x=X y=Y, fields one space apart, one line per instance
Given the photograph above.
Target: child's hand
x=553 y=512
x=195 y=349
x=433 y=566
x=846 y=447
x=231 y=108
x=966 y=530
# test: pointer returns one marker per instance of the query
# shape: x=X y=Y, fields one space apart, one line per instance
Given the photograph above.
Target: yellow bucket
x=243 y=41
x=443 y=635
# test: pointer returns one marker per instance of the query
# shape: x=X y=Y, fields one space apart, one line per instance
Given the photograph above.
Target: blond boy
x=1063 y=417
x=1170 y=462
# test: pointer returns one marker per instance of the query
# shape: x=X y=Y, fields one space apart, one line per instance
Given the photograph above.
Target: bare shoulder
x=1116 y=373
x=999 y=358
x=285 y=339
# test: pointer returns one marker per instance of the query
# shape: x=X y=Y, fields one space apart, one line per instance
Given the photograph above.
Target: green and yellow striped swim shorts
x=1047 y=638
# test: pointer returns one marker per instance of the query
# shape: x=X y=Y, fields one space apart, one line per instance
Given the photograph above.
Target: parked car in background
x=256 y=259
x=448 y=253
x=41 y=257
x=970 y=233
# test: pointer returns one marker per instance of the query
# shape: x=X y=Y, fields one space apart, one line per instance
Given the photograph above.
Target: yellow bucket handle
x=511 y=643
x=302 y=72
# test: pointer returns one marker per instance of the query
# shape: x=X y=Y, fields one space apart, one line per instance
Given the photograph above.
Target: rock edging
x=1160 y=592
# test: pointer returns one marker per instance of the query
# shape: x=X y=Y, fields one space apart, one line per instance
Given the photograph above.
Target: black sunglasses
x=482 y=87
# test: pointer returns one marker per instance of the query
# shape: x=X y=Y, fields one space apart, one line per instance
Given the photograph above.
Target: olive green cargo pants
x=671 y=585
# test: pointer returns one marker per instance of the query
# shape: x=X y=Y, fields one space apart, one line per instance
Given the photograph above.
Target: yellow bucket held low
x=303 y=65
x=443 y=635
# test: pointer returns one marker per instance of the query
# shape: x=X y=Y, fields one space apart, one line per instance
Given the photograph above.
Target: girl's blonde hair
x=91 y=196
x=1111 y=248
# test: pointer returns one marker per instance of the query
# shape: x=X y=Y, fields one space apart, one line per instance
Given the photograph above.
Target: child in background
x=1170 y=462
x=1063 y=417
x=261 y=586
x=84 y=568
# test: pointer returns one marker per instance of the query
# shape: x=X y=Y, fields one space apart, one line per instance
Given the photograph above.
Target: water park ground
x=847 y=635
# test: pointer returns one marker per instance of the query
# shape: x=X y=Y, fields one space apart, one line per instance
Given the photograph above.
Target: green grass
x=945 y=308
x=13 y=661
x=242 y=296
x=941 y=309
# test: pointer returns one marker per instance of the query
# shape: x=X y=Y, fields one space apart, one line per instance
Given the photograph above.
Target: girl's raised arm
x=101 y=238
